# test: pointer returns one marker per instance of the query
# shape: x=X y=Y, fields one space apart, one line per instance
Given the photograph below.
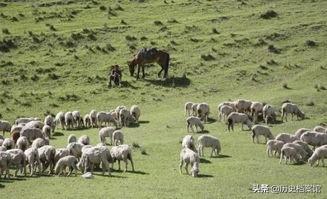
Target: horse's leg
x=138 y=71
x=143 y=74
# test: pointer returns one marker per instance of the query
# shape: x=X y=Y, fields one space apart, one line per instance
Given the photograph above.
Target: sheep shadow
x=58 y=134
x=222 y=156
x=211 y=120
x=126 y=84
x=182 y=81
x=133 y=125
x=205 y=176
x=204 y=161
x=111 y=176
x=203 y=132
x=138 y=172
x=2 y=186
x=144 y=122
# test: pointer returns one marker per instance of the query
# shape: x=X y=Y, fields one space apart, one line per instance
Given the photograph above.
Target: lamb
x=69 y=120
x=203 y=111
x=67 y=161
x=33 y=159
x=95 y=155
x=84 y=139
x=268 y=113
x=188 y=156
x=47 y=157
x=50 y=121
x=319 y=154
x=5 y=126
x=236 y=117
x=106 y=118
x=209 y=141
x=135 y=112
x=243 y=106
x=274 y=146
x=22 y=143
x=25 y=120
x=256 y=108
x=17 y=159
x=300 y=131
x=87 y=121
x=31 y=133
x=60 y=119
x=287 y=138
x=4 y=163
x=93 y=117
x=76 y=119
x=75 y=149
x=314 y=139
x=261 y=130
x=61 y=152
x=293 y=109
x=224 y=111
x=289 y=153
x=46 y=130
x=8 y=143
x=124 y=153
x=118 y=137
x=194 y=121
x=106 y=132
x=71 y=138
x=320 y=129
x=188 y=108
x=38 y=142
x=188 y=142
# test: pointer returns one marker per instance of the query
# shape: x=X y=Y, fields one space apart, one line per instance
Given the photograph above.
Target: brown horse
x=146 y=56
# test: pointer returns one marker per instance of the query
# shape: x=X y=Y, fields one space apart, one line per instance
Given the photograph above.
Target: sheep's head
x=301 y=114
x=310 y=161
x=195 y=170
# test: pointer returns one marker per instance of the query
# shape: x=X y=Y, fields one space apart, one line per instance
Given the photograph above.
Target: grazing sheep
x=22 y=143
x=194 y=109
x=261 y=130
x=50 y=121
x=188 y=108
x=135 y=112
x=274 y=146
x=8 y=143
x=289 y=153
x=18 y=160
x=269 y=113
x=84 y=139
x=224 y=111
x=75 y=149
x=26 y=120
x=47 y=157
x=71 y=138
x=31 y=133
x=106 y=118
x=77 y=119
x=243 y=106
x=93 y=117
x=61 y=152
x=16 y=128
x=188 y=142
x=299 y=150
x=319 y=154
x=305 y=146
x=124 y=153
x=236 y=117
x=5 y=126
x=4 y=164
x=33 y=159
x=209 y=141
x=285 y=137
x=118 y=137
x=106 y=132
x=67 y=161
x=87 y=121
x=228 y=103
x=320 y=129
x=293 y=109
x=256 y=108
x=69 y=120
x=314 y=139
x=203 y=111
x=188 y=156
x=38 y=142
x=125 y=117
x=46 y=130
x=95 y=156
x=300 y=131
x=194 y=121
x=34 y=124
x=60 y=119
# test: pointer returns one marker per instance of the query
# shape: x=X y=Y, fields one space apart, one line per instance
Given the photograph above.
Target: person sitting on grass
x=115 y=75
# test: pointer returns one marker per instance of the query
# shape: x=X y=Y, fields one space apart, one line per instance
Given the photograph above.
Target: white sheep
x=135 y=112
x=256 y=108
x=122 y=153
x=236 y=117
x=320 y=129
x=300 y=131
x=305 y=146
x=194 y=109
x=8 y=143
x=285 y=137
x=318 y=155
x=50 y=121
x=274 y=146
x=33 y=159
x=289 y=153
x=75 y=149
x=93 y=117
x=188 y=156
x=194 y=121
x=71 y=138
x=188 y=142
x=118 y=137
x=125 y=117
x=47 y=157
x=61 y=152
x=77 y=119
x=34 y=124
x=46 y=130
x=106 y=118
x=84 y=139
x=261 y=130
x=22 y=143
x=299 y=150
x=188 y=108
x=314 y=139
x=293 y=109
x=209 y=141
x=5 y=126
x=26 y=120
x=38 y=142
x=224 y=111
x=243 y=106
x=69 y=120
x=4 y=164
x=203 y=111
x=227 y=103
x=16 y=128
x=18 y=160
x=87 y=121
x=31 y=133
x=268 y=113
x=106 y=132
x=67 y=161
x=60 y=119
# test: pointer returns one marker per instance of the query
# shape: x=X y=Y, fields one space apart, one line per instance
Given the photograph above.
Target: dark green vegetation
x=55 y=55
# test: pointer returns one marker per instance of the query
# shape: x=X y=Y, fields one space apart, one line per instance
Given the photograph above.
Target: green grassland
x=55 y=55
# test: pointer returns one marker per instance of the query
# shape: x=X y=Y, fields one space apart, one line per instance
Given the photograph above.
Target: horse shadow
x=182 y=81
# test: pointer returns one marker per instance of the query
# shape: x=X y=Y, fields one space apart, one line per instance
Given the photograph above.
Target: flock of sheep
x=295 y=148
x=30 y=139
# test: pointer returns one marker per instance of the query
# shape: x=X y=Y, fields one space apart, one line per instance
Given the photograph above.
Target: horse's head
x=131 y=66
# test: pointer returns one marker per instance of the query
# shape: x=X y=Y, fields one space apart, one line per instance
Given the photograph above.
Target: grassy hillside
x=55 y=55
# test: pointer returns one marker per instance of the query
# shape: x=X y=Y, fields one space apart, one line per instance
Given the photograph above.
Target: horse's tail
x=167 y=65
